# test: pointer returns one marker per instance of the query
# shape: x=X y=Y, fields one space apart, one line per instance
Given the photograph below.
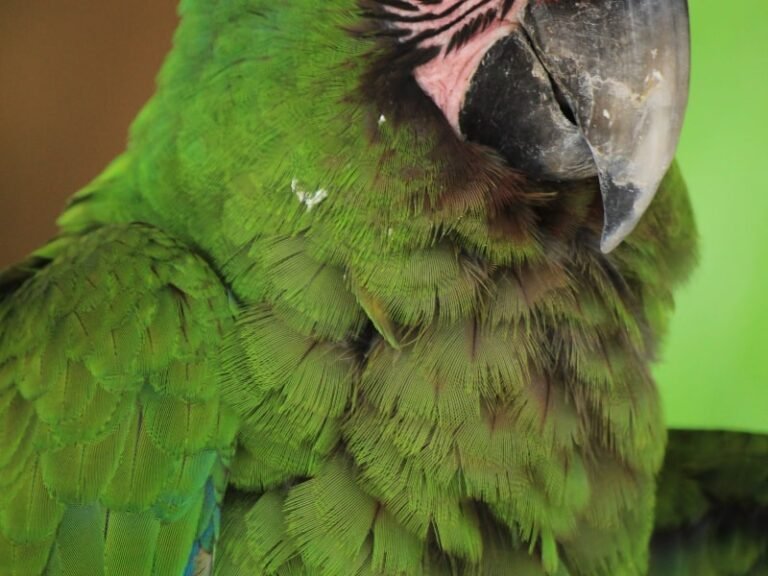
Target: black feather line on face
x=405 y=21
x=475 y=26
x=397 y=55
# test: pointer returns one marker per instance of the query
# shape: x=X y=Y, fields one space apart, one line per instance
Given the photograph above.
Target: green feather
x=329 y=518
x=80 y=541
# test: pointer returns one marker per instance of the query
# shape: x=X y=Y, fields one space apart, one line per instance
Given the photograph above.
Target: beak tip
x=608 y=244
x=623 y=206
x=610 y=241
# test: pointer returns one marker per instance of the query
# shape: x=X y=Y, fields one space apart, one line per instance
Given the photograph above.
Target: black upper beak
x=584 y=88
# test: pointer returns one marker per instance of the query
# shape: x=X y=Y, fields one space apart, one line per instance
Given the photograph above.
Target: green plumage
x=112 y=421
x=427 y=372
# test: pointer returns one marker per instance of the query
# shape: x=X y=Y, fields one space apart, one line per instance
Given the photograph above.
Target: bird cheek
x=446 y=79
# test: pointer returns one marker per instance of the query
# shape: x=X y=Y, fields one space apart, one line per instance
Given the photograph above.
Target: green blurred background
x=715 y=361
x=73 y=74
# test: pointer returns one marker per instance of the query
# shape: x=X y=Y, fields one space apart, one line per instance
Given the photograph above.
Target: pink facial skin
x=446 y=77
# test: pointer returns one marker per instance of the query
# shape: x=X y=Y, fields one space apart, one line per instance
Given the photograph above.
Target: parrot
x=376 y=288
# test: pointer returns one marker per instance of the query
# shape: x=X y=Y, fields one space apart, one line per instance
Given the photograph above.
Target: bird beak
x=583 y=88
x=622 y=67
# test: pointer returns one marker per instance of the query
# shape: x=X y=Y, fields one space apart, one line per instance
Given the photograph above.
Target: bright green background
x=715 y=369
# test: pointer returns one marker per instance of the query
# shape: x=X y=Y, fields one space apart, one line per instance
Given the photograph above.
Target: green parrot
x=375 y=290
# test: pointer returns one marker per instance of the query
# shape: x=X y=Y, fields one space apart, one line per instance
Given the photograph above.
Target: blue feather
x=208 y=529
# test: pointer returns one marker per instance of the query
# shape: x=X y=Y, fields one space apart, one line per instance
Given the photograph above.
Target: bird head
x=563 y=90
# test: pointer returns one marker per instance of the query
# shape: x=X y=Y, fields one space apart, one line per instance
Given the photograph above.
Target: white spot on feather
x=310 y=200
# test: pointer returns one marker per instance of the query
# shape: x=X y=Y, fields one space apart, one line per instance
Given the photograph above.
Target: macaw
x=375 y=290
